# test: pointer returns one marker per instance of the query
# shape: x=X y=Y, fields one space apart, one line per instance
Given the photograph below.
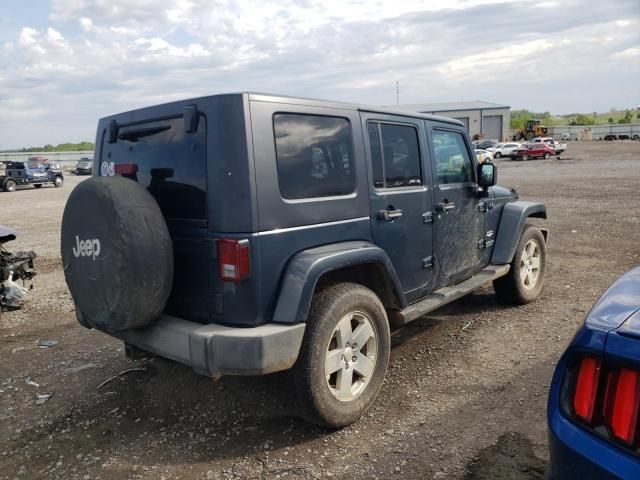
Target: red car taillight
x=606 y=399
x=621 y=404
x=233 y=260
x=584 y=395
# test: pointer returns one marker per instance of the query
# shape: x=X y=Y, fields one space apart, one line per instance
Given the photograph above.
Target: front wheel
x=344 y=356
x=57 y=182
x=497 y=155
x=525 y=279
x=525 y=158
x=547 y=156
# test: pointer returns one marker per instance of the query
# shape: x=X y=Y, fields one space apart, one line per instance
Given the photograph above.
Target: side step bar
x=445 y=295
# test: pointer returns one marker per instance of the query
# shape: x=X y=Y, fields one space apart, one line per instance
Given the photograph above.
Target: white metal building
x=481 y=118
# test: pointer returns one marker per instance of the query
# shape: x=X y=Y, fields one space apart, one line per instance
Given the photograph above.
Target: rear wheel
x=525 y=158
x=10 y=186
x=525 y=279
x=344 y=356
x=57 y=182
x=547 y=156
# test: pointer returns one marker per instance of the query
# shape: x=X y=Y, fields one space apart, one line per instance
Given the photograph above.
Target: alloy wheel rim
x=351 y=356
x=530 y=265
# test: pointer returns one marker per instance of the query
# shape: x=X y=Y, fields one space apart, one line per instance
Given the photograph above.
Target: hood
x=619 y=304
x=497 y=191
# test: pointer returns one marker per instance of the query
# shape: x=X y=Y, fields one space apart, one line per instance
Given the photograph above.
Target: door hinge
x=427 y=263
x=427 y=217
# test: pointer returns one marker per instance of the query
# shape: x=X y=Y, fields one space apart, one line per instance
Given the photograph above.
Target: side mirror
x=487 y=175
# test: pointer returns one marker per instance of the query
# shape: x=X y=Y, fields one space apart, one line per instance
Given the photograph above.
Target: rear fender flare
x=308 y=266
x=512 y=222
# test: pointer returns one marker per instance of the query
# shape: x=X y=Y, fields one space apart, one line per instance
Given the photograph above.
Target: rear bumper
x=215 y=350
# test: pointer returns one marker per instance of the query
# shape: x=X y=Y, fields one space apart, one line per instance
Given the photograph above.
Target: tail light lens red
x=606 y=398
x=584 y=395
x=126 y=169
x=233 y=260
x=622 y=400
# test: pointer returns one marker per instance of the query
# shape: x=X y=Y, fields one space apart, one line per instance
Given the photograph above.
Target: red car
x=532 y=150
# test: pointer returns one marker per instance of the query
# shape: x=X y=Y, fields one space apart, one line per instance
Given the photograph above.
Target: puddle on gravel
x=511 y=457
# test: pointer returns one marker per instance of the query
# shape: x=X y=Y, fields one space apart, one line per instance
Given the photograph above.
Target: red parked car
x=532 y=150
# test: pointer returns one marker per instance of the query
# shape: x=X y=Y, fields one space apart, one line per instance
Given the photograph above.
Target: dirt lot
x=464 y=396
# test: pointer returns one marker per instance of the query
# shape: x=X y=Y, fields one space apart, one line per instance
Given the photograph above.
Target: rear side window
x=453 y=162
x=395 y=155
x=167 y=161
x=314 y=155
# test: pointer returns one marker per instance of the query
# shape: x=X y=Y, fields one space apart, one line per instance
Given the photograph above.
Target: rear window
x=314 y=155
x=169 y=162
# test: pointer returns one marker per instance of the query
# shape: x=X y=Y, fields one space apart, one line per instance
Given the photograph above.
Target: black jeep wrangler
x=245 y=234
x=33 y=172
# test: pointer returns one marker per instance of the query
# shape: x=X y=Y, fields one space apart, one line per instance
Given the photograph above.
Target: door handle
x=444 y=207
x=389 y=214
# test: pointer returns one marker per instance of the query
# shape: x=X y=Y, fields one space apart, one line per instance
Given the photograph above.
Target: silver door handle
x=389 y=214
x=445 y=207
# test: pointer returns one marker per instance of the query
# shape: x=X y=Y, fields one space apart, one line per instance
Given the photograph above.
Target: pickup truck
x=557 y=146
x=33 y=172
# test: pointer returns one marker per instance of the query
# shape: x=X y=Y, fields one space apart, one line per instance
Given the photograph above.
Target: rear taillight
x=126 y=169
x=584 y=395
x=233 y=259
x=605 y=398
x=622 y=401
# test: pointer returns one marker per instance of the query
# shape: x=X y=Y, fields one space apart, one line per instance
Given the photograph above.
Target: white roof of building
x=449 y=106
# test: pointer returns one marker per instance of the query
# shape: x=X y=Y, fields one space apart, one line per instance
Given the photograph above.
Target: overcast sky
x=66 y=63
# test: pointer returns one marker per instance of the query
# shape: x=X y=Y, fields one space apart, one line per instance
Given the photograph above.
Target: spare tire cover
x=117 y=254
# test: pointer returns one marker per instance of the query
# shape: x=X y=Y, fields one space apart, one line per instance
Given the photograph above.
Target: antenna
x=397 y=92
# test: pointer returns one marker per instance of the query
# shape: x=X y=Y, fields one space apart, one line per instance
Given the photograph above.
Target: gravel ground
x=464 y=397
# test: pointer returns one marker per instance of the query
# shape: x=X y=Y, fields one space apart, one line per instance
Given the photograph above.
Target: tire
x=497 y=155
x=10 y=185
x=37 y=185
x=524 y=283
x=57 y=182
x=547 y=156
x=119 y=265
x=338 y=312
x=525 y=158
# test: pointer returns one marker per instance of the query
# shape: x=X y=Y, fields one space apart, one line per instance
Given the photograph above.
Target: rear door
x=400 y=197
x=458 y=219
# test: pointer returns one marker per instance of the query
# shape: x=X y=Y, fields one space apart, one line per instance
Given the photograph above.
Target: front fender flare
x=306 y=267
x=512 y=223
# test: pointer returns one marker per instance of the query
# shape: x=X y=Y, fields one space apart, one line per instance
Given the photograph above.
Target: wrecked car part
x=16 y=269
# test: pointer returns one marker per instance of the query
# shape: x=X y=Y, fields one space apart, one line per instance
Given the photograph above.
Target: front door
x=458 y=219
x=400 y=197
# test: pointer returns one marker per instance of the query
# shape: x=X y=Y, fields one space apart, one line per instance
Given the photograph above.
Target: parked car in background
x=527 y=151
x=32 y=172
x=503 y=149
x=484 y=144
x=594 y=398
x=558 y=147
x=610 y=137
x=483 y=155
x=84 y=167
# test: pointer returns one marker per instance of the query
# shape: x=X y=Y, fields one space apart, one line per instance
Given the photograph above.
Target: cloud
x=97 y=57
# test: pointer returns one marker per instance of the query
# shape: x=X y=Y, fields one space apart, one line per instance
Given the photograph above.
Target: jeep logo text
x=86 y=248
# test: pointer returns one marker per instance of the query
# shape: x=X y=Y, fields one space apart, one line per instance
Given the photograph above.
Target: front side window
x=395 y=155
x=453 y=162
x=314 y=156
